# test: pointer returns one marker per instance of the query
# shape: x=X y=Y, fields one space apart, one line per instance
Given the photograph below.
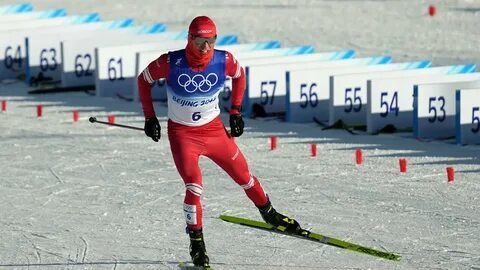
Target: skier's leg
x=225 y=152
x=185 y=155
x=186 y=160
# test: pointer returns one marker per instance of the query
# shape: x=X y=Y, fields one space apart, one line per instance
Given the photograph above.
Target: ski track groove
x=37 y=253
x=56 y=175
x=85 y=250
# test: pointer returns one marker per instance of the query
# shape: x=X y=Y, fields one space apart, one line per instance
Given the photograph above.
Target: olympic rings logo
x=197 y=82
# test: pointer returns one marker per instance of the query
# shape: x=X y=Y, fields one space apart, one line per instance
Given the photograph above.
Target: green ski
x=304 y=234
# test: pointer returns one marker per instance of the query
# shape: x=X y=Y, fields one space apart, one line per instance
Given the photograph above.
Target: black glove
x=152 y=128
x=236 y=125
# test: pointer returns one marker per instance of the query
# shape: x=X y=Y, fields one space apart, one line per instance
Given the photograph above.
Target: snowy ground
x=84 y=196
x=84 y=193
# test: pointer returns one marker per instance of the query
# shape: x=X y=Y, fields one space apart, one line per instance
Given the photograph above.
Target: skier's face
x=204 y=45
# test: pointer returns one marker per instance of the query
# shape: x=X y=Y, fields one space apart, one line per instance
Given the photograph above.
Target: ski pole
x=94 y=120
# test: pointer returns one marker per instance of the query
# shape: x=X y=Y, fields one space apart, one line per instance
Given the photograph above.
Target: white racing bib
x=193 y=96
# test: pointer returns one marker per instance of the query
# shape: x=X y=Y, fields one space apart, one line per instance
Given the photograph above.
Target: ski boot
x=197 y=249
x=281 y=222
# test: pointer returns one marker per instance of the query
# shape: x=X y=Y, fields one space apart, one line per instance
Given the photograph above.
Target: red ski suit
x=211 y=139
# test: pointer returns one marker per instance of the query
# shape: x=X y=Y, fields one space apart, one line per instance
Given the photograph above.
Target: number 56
x=312 y=98
x=475 y=119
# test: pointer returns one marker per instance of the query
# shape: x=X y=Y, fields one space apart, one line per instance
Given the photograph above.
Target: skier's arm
x=156 y=70
x=236 y=72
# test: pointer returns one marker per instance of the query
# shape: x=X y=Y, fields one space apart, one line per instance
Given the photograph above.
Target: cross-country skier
x=194 y=77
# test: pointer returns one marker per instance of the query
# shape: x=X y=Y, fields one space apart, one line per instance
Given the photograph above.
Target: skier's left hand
x=236 y=122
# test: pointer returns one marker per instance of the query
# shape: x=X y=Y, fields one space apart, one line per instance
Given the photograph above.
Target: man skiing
x=194 y=77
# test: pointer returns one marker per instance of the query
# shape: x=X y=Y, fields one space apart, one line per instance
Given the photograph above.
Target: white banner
x=266 y=81
x=225 y=95
x=44 y=51
x=299 y=58
x=26 y=16
x=117 y=68
x=247 y=47
x=275 y=52
x=78 y=56
x=13 y=51
x=15 y=9
x=468 y=116
x=349 y=92
x=49 y=22
x=274 y=98
x=434 y=106
x=158 y=89
x=391 y=99
x=308 y=90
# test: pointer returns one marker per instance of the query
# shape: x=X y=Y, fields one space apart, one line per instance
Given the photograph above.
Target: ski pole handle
x=94 y=120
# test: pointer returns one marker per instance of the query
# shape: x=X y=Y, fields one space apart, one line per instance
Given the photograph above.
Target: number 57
x=264 y=93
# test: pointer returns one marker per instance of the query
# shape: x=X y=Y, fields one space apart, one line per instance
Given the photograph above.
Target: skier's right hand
x=152 y=128
x=236 y=121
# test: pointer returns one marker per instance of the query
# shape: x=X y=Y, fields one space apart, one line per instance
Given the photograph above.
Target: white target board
x=308 y=90
x=226 y=94
x=434 y=107
x=467 y=116
x=349 y=92
x=143 y=58
x=267 y=84
x=13 y=56
x=44 y=51
x=285 y=60
x=116 y=67
x=78 y=56
x=391 y=100
x=158 y=89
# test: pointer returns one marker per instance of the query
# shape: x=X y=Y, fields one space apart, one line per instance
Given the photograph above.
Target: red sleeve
x=156 y=70
x=235 y=70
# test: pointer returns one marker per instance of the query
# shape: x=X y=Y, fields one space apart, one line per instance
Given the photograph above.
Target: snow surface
x=87 y=196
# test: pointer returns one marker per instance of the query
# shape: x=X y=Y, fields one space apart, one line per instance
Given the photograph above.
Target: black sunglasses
x=201 y=41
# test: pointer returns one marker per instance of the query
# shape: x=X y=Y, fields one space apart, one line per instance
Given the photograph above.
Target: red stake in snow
x=273 y=142
x=358 y=156
x=432 y=10
x=403 y=165
x=313 y=149
x=75 y=116
x=111 y=119
x=39 y=110
x=450 y=174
